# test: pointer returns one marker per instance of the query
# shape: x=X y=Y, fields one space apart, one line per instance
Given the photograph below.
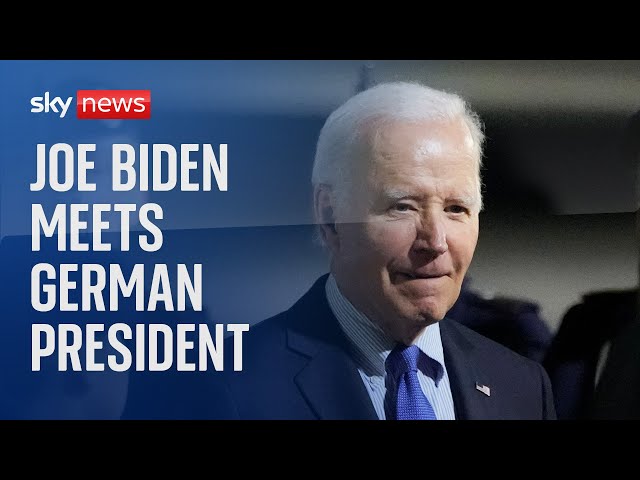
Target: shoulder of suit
x=304 y=308
x=265 y=329
x=484 y=346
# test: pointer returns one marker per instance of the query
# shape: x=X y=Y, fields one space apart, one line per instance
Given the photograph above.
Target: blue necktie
x=407 y=402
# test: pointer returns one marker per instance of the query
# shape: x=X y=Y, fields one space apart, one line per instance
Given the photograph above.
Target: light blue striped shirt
x=371 y=347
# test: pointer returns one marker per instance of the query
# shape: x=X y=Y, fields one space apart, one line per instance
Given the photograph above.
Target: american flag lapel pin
x=484 y=389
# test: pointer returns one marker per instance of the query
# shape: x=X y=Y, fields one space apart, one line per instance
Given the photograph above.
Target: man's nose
x=431 y=233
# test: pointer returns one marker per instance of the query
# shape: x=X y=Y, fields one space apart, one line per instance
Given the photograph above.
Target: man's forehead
x=389 y=139
x=393 y=148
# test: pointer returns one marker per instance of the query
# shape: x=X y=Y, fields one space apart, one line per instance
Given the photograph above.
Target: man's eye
x=456 y=209
x=402 y=207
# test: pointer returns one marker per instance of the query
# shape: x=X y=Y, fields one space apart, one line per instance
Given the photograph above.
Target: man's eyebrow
x=397 y=194
x=464 y=199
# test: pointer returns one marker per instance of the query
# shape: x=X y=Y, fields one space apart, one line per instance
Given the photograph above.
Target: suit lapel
x=465 y=376
x=333 y=387
x=330 y=381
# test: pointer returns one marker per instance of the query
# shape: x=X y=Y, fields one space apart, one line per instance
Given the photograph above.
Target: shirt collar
x=371 y=345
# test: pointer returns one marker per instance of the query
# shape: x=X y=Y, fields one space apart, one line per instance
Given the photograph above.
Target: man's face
x=411 y=224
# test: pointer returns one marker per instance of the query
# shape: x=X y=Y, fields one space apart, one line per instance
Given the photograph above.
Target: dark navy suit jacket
x=296 y=366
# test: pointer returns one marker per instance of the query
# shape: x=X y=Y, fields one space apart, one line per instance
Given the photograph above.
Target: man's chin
x=429 y=312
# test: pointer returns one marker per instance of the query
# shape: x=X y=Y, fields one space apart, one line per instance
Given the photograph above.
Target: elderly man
x=397 y=196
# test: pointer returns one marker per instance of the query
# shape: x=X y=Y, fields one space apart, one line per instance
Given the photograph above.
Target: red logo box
x=113 y=104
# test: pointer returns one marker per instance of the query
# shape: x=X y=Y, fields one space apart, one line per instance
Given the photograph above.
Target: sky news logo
x=98 y=104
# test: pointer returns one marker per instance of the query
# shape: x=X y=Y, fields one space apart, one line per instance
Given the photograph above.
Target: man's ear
x=324 y=212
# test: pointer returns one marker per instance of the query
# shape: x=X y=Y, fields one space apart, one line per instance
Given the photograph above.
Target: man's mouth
x=421 y=275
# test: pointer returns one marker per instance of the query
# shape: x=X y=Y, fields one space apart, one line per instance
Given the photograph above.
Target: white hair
x=340 y=137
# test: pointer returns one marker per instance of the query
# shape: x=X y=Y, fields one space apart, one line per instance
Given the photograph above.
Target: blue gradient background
x=234 y=234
